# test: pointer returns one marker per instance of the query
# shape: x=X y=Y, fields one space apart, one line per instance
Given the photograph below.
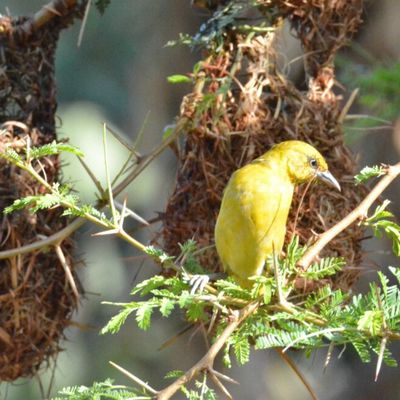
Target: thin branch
x=108 y=179
x=207 y=361
x=145 y=161
x=131 y=213
x=134 y=378
x=126 y=142
x=297 y=371
x=58 y=237
x=46 y=14
x=92 y=176
x=347 y=106
x=67 y=271
x=84 y=21
x=80 y=221
x=220 y=386
x=358 y=213
x=224 y=377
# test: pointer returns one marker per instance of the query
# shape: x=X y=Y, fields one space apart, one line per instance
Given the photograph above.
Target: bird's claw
x=198 y=283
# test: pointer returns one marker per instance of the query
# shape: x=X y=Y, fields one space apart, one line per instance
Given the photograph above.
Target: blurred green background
x=118 y=76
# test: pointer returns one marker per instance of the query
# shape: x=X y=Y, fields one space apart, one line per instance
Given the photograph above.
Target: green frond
x=101 y=390
x=367 y=173
x=11 y=156
x=144 y=313
x=34 y=203
x=53 y=148
x=325 y=267
x=166 y=307
x=114 y=325
x=241 y=348
x=380 y=221
x=362 y=348
x=160 y=254
x=177 y=373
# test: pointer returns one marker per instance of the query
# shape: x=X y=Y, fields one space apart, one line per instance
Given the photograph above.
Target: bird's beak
x=328 y=178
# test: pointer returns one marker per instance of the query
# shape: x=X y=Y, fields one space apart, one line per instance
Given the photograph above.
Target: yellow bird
x=251 y=224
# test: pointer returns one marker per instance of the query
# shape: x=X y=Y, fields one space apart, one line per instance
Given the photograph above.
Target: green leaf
x=326 y=267
x=148 y=285
x=143 y=315
x=53 y=148
x=174 y=79
x=177 y=373
x=20 y=204
x=388 y=358
x=226 y=359
x=396 y=272
x=195 y=311
x=371 y=321
x=379 y=213
x=101 y=390
x=160 y=254
x=166 y=307
x=379 y=222
x=267 y=293
x=367 y=173
x=12 y=156
x=241 y=348
x=116 y=322
x=362 y=349
x=232 y=288
x=94 y=212
x=34 y=203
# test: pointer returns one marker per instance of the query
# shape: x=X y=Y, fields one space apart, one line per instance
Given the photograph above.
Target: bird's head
x=305 y=163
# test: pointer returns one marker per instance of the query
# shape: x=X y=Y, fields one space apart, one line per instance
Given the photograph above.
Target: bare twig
x=131 y=213
x=348 y=105
x=297 y=371
x=359 y=212
x=67 y=270
x=92 y=176
x=206 y=363
x=146 y=160
x=134 y=378
x=219 y=385
x=46 y=14
x=59 y=236
x=84 y=21
x=108 y=179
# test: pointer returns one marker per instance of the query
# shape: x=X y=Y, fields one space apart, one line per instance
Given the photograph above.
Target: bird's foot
x=198 y=283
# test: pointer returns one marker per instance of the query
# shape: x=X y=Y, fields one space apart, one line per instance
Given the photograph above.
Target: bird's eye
x=313 y=163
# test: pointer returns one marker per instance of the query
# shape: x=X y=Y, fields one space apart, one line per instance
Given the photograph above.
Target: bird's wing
x=251 y=223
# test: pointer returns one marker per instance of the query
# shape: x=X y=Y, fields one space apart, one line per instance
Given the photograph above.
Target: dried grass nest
x=228 y=128
x=36 y=298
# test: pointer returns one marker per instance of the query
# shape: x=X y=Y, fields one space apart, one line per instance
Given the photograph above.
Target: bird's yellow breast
x=251 y=224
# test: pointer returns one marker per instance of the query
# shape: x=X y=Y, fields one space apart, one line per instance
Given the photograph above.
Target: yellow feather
x=251 y=224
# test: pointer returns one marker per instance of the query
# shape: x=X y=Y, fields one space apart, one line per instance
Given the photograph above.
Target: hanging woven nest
x=36 y=297
x=243 y=103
